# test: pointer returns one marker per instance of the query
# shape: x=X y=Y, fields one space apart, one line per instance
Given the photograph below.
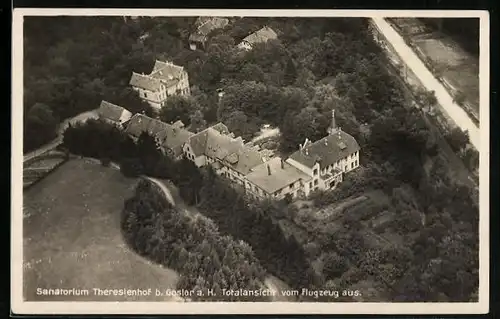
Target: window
x=310 y=184
x=315 y=172
x=352 y=165
x=291 y=185
x=315 y=182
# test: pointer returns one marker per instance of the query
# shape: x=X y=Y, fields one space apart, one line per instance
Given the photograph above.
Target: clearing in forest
x=72 y=237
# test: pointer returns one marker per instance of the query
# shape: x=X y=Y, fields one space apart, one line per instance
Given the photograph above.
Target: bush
x=457 y=139
x=105 y=162
x=204 y=257
x=131 y=167
x=334 y=265
x=459 y=98
x=471 y=159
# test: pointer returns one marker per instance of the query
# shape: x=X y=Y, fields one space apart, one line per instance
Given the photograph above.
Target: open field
x=72 y=236
x=458 y=69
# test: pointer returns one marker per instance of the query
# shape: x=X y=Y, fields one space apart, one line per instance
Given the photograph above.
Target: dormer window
x=315 y=171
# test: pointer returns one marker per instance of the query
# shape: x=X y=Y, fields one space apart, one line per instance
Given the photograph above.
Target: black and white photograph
x=232 y=161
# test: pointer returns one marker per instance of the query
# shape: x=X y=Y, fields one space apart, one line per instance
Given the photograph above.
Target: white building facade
x=166 y=79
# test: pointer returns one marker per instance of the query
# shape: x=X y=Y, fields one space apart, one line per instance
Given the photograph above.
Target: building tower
x=333 y=126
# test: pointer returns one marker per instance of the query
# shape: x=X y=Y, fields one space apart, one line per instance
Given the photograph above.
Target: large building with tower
x=318 y=165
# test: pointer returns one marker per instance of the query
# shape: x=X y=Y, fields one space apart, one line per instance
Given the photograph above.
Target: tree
x=459 y=98
x=198 y=122
x=334 y=265
x=131 y=167
x=239 y=124
x=178 y=108
x=428 y=98
x=309 y=123
x=290 y=72
x=471 y=158
x=149 y=151
x=251 y=72
x=457 y=139
x=130 y=100
x=41 y=126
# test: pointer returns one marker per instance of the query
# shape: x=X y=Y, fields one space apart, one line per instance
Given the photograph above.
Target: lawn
x=457 y=67
x=72 y=236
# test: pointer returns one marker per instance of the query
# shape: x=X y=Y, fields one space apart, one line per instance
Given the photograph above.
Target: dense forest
x=294 y=82
x=191 y=245
x=464 y=30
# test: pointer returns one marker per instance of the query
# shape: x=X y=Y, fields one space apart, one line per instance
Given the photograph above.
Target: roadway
x=412 y=61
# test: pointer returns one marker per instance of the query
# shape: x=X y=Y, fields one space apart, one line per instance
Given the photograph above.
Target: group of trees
x=78 y=63
x=252 y=221
x=98 y=139
x=192 y=245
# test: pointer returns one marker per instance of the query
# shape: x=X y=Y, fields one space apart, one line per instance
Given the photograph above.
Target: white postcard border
x=19 y=306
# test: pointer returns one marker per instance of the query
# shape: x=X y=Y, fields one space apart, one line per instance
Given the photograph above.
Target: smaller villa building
x=165 y=80
x=260 y=36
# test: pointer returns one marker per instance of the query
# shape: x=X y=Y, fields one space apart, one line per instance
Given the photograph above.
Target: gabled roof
x=167 y=72
x=280 y=177
x=140 y=123
x=327 y=150
x=247 y=158
x=163 y=72
x=212 y=24
x=178 y=124
x=221 y=128
x=263 y=35
x=111 y=112
x=169 y=136
x=201 y=20
x=220 y=145
x=168 y=67
x=198 y=142
x=206 y=27
x=174 y=139
x=145 y=82
x=216 y=142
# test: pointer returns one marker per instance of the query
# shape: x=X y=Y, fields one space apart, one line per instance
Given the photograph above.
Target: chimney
x=268 y=170
x=326 y=141
x=282 y=164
